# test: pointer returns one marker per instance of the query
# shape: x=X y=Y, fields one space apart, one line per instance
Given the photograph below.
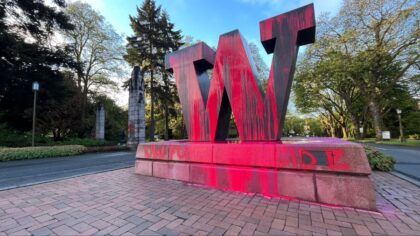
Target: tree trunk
x=332 y=130
x=344 y=130
x=362 y=135
x=152 y=109
x=83 y=113
x=377 y=118
x=54 y=134
x=355 y=124
x=166 y=122
x=165 y=79
x=358 y=134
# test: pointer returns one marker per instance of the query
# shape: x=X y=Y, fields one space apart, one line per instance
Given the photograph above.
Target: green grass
x=408 y=143
x=10 y=154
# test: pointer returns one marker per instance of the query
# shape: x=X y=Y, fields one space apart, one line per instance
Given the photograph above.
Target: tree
x=302 y=126
x=143 y=50
x=154 y=36
x=188 y=40
x=262 y=68
x=324 y=86
x=57 y=114
x=26 y=55
x=116 y=118
x=171 y=41
x=384 y=34
x=97 y=49
x=377 y=45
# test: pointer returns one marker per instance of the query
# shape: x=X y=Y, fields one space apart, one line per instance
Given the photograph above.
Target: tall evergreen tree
x=171 y=41
x=154 y=36
x=26 y=55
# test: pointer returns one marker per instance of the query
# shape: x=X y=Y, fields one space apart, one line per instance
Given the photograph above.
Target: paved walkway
x=120 y=202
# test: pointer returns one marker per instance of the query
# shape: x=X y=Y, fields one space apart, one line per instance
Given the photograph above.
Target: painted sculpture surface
x=207 y=104
x=322 y=170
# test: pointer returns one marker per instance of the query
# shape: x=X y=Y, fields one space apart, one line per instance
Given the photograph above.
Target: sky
x=205 y=20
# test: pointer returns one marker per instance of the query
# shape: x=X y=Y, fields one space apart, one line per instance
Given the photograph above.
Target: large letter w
x=207 y=104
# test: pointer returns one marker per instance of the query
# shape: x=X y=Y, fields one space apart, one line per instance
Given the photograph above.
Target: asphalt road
x=407 y=158
x=27 y=172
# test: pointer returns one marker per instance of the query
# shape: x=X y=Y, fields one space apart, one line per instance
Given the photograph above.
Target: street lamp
x=401 y=129
x=35 y=88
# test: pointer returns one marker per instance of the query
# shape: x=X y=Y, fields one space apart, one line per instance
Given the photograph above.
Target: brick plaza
x=121 y=202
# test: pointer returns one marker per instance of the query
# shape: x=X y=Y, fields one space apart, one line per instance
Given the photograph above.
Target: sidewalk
x=120 y=202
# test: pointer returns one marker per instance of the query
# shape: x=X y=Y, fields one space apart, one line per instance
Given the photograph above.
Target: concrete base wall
x=328 y=173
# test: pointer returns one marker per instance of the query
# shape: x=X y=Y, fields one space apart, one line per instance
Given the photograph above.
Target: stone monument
x=136 y=121
x=323 y=170
x=100 y=122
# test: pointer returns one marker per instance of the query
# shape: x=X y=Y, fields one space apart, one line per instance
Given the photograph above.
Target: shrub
x=378 y=160
x=87 y=142
x=12 y=138
x=414 y=136
x=106 y=149
x=8 y=154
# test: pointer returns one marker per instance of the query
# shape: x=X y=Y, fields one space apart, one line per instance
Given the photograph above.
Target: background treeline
x=362 y=67
x=73 y=53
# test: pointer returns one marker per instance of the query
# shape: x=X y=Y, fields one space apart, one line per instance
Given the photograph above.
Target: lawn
x=408 y=143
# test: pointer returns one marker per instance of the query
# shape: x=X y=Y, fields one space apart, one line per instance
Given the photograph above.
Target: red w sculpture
x=323 y=170
x=207 y=104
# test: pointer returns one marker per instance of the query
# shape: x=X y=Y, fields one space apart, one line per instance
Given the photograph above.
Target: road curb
x=406 y=177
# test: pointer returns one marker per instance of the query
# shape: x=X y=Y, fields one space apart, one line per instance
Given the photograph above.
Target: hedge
x=8 y=154
x=378 y=160
x=87 y=142
x=114 y=148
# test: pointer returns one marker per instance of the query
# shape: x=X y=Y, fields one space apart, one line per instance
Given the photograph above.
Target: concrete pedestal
x=100 y=122
x=325 y=170
x=136 y=120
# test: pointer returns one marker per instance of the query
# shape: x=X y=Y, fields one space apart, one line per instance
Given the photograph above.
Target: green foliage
x=106 y=149
x=9 y=154
x=57 y=114
x=414 y=136
x=26 y=28
x=262 y=68
x=13 y=138
x=154 y=36
x=379 y=161
x=411 y=122
x=358 y=70
x=302 y=126
x=95 y=46
x=98 y=52
x=397 y=142
x=116 y=120
x=87 y=142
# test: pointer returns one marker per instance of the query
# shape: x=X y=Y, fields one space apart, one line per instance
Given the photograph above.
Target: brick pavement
x=120 y=202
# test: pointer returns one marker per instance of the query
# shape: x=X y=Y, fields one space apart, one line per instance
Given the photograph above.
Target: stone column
x=136 y=120
x=100 y=122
